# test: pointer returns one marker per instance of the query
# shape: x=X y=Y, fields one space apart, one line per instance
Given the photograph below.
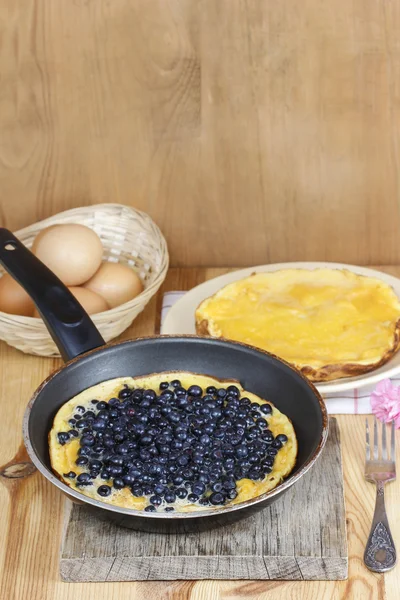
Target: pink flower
x=385 y=402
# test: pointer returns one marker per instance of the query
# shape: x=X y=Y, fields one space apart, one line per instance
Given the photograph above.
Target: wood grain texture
x=32 y=509
x=272 y=544
x=226 y=120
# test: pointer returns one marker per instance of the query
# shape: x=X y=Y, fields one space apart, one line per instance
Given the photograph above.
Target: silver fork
x=380 y=552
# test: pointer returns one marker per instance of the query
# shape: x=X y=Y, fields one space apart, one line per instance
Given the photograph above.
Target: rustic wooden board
x=300 y=536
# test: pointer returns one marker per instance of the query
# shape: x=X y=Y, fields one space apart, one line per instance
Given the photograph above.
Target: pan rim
x=174 y=516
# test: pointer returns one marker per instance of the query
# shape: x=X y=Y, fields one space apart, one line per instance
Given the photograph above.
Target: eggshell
x=13 y=298
x=116 y=282
x=91 y=302
x=72 y=251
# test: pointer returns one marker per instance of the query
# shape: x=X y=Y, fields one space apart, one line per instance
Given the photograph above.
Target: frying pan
x=89 y=361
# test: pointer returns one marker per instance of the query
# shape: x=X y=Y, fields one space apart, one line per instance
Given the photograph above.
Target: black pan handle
x=69 y=325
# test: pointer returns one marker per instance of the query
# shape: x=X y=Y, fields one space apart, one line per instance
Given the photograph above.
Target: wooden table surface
x=32 y=509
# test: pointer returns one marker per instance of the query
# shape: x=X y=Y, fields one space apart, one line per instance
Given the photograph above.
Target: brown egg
x=73 y=252
x=91 y=302
x=13 y=298
x=117 y=283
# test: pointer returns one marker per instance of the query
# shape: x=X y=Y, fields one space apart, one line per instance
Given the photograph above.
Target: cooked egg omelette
x=64 y=455
x=329 y=323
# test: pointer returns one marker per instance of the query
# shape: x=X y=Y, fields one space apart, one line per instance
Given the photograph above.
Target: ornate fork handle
x=380 y=553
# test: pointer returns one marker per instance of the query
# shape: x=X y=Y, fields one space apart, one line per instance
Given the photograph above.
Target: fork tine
x=384 y=448
x=368 y=452
x=375 y=440
x=393 y=444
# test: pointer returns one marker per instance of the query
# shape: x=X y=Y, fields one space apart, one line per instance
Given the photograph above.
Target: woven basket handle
x=69 y=325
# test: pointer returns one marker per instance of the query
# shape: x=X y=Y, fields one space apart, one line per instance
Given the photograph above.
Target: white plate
x=180 y=318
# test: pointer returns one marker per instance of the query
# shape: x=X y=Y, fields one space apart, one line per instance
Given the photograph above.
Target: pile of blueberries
x=179 y=443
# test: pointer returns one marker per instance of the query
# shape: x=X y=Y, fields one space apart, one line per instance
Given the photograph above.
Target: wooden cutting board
x=300 y=536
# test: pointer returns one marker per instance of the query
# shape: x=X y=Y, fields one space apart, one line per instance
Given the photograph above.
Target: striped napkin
x=351 y=402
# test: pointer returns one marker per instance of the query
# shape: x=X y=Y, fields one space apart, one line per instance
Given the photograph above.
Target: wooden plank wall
x=252 y=131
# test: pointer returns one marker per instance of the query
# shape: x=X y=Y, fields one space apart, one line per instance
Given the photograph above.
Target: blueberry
x=99 y=425
x=73 y=433
x=198 y=488
x=221 y=393
x=70 y=475
x=193 y=498
x=281 y=437
x=146 y=440
x=63 y=437
x=198 y=458
x=95 y=465
x=175 y=383
x=217 y=498
x=150 y=508
x=267 y=436
x=80 y=409
x=164 y=385
x=181 y=493
x=85 y=451
x=169 y=509
x=94 y=402
x=241 y=451
x=104 y=474
x=116 y=460
x=229 y=484
x=71 y=422
x=211 y=389
x=155 y=500
x=113 y=402
x=232 y=389
x=170 y=496
x=217 y=486
x=118 y=483
x=272 y=451
x=82 y=460
x=102 y=405
x=229 y=464
x=178 y=480
x=276 y=444
x=159 y=489
x=253 y=459
x=103 y=415
x=195 y=391
x=245 y=402
x=266 y=409
x=115 y=470
x=124 y=393
x=83 y=479
x=205 y=439
x=231 y=494
x=89 y=414
x=104 y=490
x=87 y=440
x=255 y=473
x=182 y=460
x=261 y=423
x=77 y=417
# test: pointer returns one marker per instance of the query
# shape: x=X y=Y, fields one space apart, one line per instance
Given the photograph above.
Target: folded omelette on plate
x=329 y=323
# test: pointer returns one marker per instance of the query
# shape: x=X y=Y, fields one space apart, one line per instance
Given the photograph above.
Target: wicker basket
x=128 y=236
